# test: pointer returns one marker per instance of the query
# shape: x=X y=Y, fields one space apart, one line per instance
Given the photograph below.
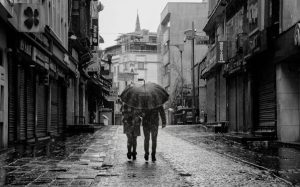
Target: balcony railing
x=210 y=60
x=141 y=51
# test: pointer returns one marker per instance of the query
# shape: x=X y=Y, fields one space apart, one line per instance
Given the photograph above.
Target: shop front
x=28 y=91
x=286 y=65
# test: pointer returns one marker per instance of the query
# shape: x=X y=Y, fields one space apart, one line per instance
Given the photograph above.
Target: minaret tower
x=137 y=23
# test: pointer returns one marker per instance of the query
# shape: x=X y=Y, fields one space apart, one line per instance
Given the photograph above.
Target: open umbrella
x=146 y=96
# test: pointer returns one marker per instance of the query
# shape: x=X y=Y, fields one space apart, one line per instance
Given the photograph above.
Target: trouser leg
x=129 y=143
x=146 y=140
x=154 y=133
x=134 y=144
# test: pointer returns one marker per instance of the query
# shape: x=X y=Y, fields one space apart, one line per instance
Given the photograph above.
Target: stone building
x=259 y=74
x=42 y=57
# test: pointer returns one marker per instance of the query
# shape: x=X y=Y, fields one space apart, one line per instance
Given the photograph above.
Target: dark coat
x=151 y=117
x=131 y=121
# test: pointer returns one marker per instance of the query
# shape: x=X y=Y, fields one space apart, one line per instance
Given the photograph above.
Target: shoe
x=146 y=156
x=129 y=155
x=134 y=155
x=153 y=157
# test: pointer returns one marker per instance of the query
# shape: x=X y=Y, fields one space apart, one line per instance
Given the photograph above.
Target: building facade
x=41 y=68
x=176 y=53
x=259 y=73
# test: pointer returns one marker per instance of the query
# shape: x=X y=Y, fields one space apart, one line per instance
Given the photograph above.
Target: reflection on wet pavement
x=28 y=162
x=282 y=161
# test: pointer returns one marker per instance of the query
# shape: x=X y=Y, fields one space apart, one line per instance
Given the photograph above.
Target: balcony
x=216 y=56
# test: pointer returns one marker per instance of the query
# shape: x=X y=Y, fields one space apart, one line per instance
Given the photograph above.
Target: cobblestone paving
x=99 y=159
x=138 y=172
x=280 y=160
x=75 y=161
x=206 y=168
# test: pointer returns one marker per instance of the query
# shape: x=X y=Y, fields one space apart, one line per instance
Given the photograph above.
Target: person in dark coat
x=131 y=121
x=150 y=127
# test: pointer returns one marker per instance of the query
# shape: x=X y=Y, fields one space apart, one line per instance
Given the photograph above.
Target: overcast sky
x=119 y=16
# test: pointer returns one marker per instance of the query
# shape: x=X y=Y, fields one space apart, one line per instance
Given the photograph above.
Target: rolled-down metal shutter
x=41 y=109
x=211 y=99
x=232 y=106
x=61 y=109
x=12 y=102
x=54 y=108
x=267 y=98
x=30 y=98
x=22 y=103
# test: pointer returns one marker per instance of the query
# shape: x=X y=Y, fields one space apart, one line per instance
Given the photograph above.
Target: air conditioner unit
x=31 y=17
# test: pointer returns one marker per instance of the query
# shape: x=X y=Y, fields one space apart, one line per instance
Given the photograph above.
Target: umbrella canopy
x=146 y=96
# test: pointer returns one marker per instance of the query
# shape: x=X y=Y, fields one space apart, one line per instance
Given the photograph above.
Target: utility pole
x=192 y=68
x=190 y=35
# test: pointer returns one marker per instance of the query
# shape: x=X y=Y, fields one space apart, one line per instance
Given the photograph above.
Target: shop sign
x=125 y=76
x=94 y=28
x=234 y=64
x=297 y=35
x=40 y=58
x=201 y=40
x=26 y=47
x=93 y=69
x=43 y=39
x=221 y=53
x=31 y=17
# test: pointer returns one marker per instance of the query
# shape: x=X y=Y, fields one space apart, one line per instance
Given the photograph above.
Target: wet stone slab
x=81 y=182
x=42 y=181
x=61 y=182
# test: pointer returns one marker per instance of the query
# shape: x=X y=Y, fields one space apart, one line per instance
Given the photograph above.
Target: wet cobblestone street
x=99 y=159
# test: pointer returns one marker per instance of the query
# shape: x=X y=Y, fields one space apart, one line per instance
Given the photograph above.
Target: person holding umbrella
x=150 y=126
x=131 y=121
x=149 y=98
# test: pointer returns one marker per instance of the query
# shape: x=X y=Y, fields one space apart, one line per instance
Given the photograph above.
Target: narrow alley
x=99 y=159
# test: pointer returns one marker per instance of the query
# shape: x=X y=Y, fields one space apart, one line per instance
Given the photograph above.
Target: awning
x=101 y=84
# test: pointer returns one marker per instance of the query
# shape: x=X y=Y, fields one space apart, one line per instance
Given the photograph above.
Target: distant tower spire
x=137 y=23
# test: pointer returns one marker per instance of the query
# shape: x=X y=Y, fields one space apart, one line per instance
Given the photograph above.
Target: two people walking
x=132 y=118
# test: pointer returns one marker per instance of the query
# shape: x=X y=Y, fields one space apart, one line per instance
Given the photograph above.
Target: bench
x=218 y=126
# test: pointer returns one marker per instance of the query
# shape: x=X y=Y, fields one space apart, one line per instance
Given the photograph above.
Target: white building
x=134 y=57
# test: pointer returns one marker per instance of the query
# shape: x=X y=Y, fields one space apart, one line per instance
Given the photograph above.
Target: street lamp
x=190 y=35
x=180 y=47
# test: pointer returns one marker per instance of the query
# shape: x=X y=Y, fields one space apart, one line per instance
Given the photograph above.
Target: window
x=152 y=39
x=141 y=65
